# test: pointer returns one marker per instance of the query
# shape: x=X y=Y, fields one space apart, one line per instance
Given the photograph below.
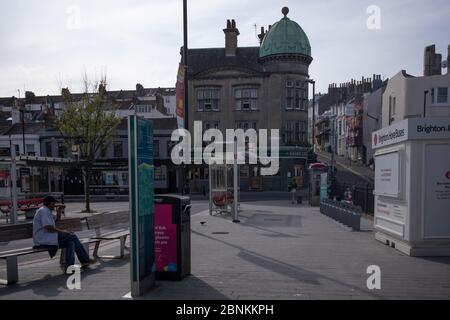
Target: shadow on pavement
x=442 y=260
x=191 y=288
x=53 y=284
x=285 y=269
x=257 y=221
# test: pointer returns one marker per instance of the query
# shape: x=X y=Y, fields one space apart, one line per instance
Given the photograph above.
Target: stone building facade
x=261 y=87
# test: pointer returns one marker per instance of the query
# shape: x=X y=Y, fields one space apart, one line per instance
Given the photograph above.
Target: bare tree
x=89 y=123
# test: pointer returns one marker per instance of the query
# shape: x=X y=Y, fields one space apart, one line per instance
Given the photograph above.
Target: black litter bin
x=172 y=237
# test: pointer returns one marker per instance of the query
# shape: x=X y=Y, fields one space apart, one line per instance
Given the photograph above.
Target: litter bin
x=172 y=237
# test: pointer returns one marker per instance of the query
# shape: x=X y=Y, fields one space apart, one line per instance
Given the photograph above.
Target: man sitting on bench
x=46 y=235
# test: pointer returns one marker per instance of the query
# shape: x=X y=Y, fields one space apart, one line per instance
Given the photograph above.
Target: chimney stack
x=231 y=38
x=432 y=62
x=448 y=59
x=261 y=35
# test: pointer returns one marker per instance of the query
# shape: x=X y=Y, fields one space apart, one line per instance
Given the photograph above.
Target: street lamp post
x=185 y=61
x=313 y=113
x=184 y=169
x=22 y=119
x=22 y=112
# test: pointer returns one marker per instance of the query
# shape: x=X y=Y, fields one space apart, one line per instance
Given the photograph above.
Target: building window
x=144 y=108
x=103 y=151
x=295 y=132
x=62 y=150
x=246 y=99
x=296 y=97
x=394 y=106
x=118 y=149
x=391 y=109
x=210 y=125
x=245 y=125
x=158 y=174
x=244 y=171
x=208 y=99
x=170 y=145
x=17 y=148
x=125 y=178
x=48 y=149
x=442 y=95
x=156 y=148
x=30 y=150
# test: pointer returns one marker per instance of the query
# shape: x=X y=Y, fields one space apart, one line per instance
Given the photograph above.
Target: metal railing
x=362 y=195
x=341 y=212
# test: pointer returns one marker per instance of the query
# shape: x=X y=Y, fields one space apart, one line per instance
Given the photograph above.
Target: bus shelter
x=224 y=187
x=29 y=177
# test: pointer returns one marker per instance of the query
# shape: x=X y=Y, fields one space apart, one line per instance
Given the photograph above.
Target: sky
x=49 y=44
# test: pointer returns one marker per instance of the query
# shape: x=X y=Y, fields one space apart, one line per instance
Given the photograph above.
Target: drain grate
x=220 y=233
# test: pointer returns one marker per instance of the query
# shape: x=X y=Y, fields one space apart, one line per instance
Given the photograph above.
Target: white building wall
x=7 y=141
x=371 y=112
x=170 y=103
x=409 y=96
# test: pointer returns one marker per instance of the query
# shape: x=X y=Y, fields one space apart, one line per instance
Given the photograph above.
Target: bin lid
x=173 y=197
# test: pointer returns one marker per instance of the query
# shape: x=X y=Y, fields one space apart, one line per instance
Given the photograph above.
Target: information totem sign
x=323 y=186
x=141 y=172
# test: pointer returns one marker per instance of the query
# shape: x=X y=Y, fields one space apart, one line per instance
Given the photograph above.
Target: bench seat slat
x=112 y=235
x=20 y=252
x=89 y=240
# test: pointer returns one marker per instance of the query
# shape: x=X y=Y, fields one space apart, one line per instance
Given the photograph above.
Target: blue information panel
x=323 y=187
x=141 y=205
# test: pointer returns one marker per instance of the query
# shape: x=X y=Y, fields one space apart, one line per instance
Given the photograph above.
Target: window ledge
x=440 y=105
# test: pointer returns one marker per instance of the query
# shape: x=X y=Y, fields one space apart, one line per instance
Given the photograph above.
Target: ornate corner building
x=261 y=87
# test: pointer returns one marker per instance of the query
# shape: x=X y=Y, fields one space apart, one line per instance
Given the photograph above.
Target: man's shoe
x=75 y=267
x=88 y=263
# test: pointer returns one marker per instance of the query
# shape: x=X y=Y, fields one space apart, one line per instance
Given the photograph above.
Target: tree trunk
x=87 y=196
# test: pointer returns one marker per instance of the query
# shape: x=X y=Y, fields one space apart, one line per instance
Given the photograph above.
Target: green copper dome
x=285 y=37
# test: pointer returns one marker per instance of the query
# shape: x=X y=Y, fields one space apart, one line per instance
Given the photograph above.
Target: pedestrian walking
x=293 y=190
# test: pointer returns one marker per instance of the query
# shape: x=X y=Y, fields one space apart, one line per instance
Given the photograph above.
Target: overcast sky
x=43 y=44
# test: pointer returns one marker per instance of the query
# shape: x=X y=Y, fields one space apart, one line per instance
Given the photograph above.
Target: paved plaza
x=278 y=251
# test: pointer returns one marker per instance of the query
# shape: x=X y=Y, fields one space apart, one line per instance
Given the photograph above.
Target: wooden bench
x=96 y=223
x=109 y=220
x=25 y=231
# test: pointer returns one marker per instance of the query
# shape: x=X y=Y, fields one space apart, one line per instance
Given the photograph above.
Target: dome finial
x=285 y=11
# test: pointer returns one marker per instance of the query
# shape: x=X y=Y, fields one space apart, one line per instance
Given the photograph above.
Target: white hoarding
x=437 y=191
x=387 y=175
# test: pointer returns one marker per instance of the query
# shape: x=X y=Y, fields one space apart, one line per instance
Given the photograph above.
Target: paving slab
x=278 y=251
